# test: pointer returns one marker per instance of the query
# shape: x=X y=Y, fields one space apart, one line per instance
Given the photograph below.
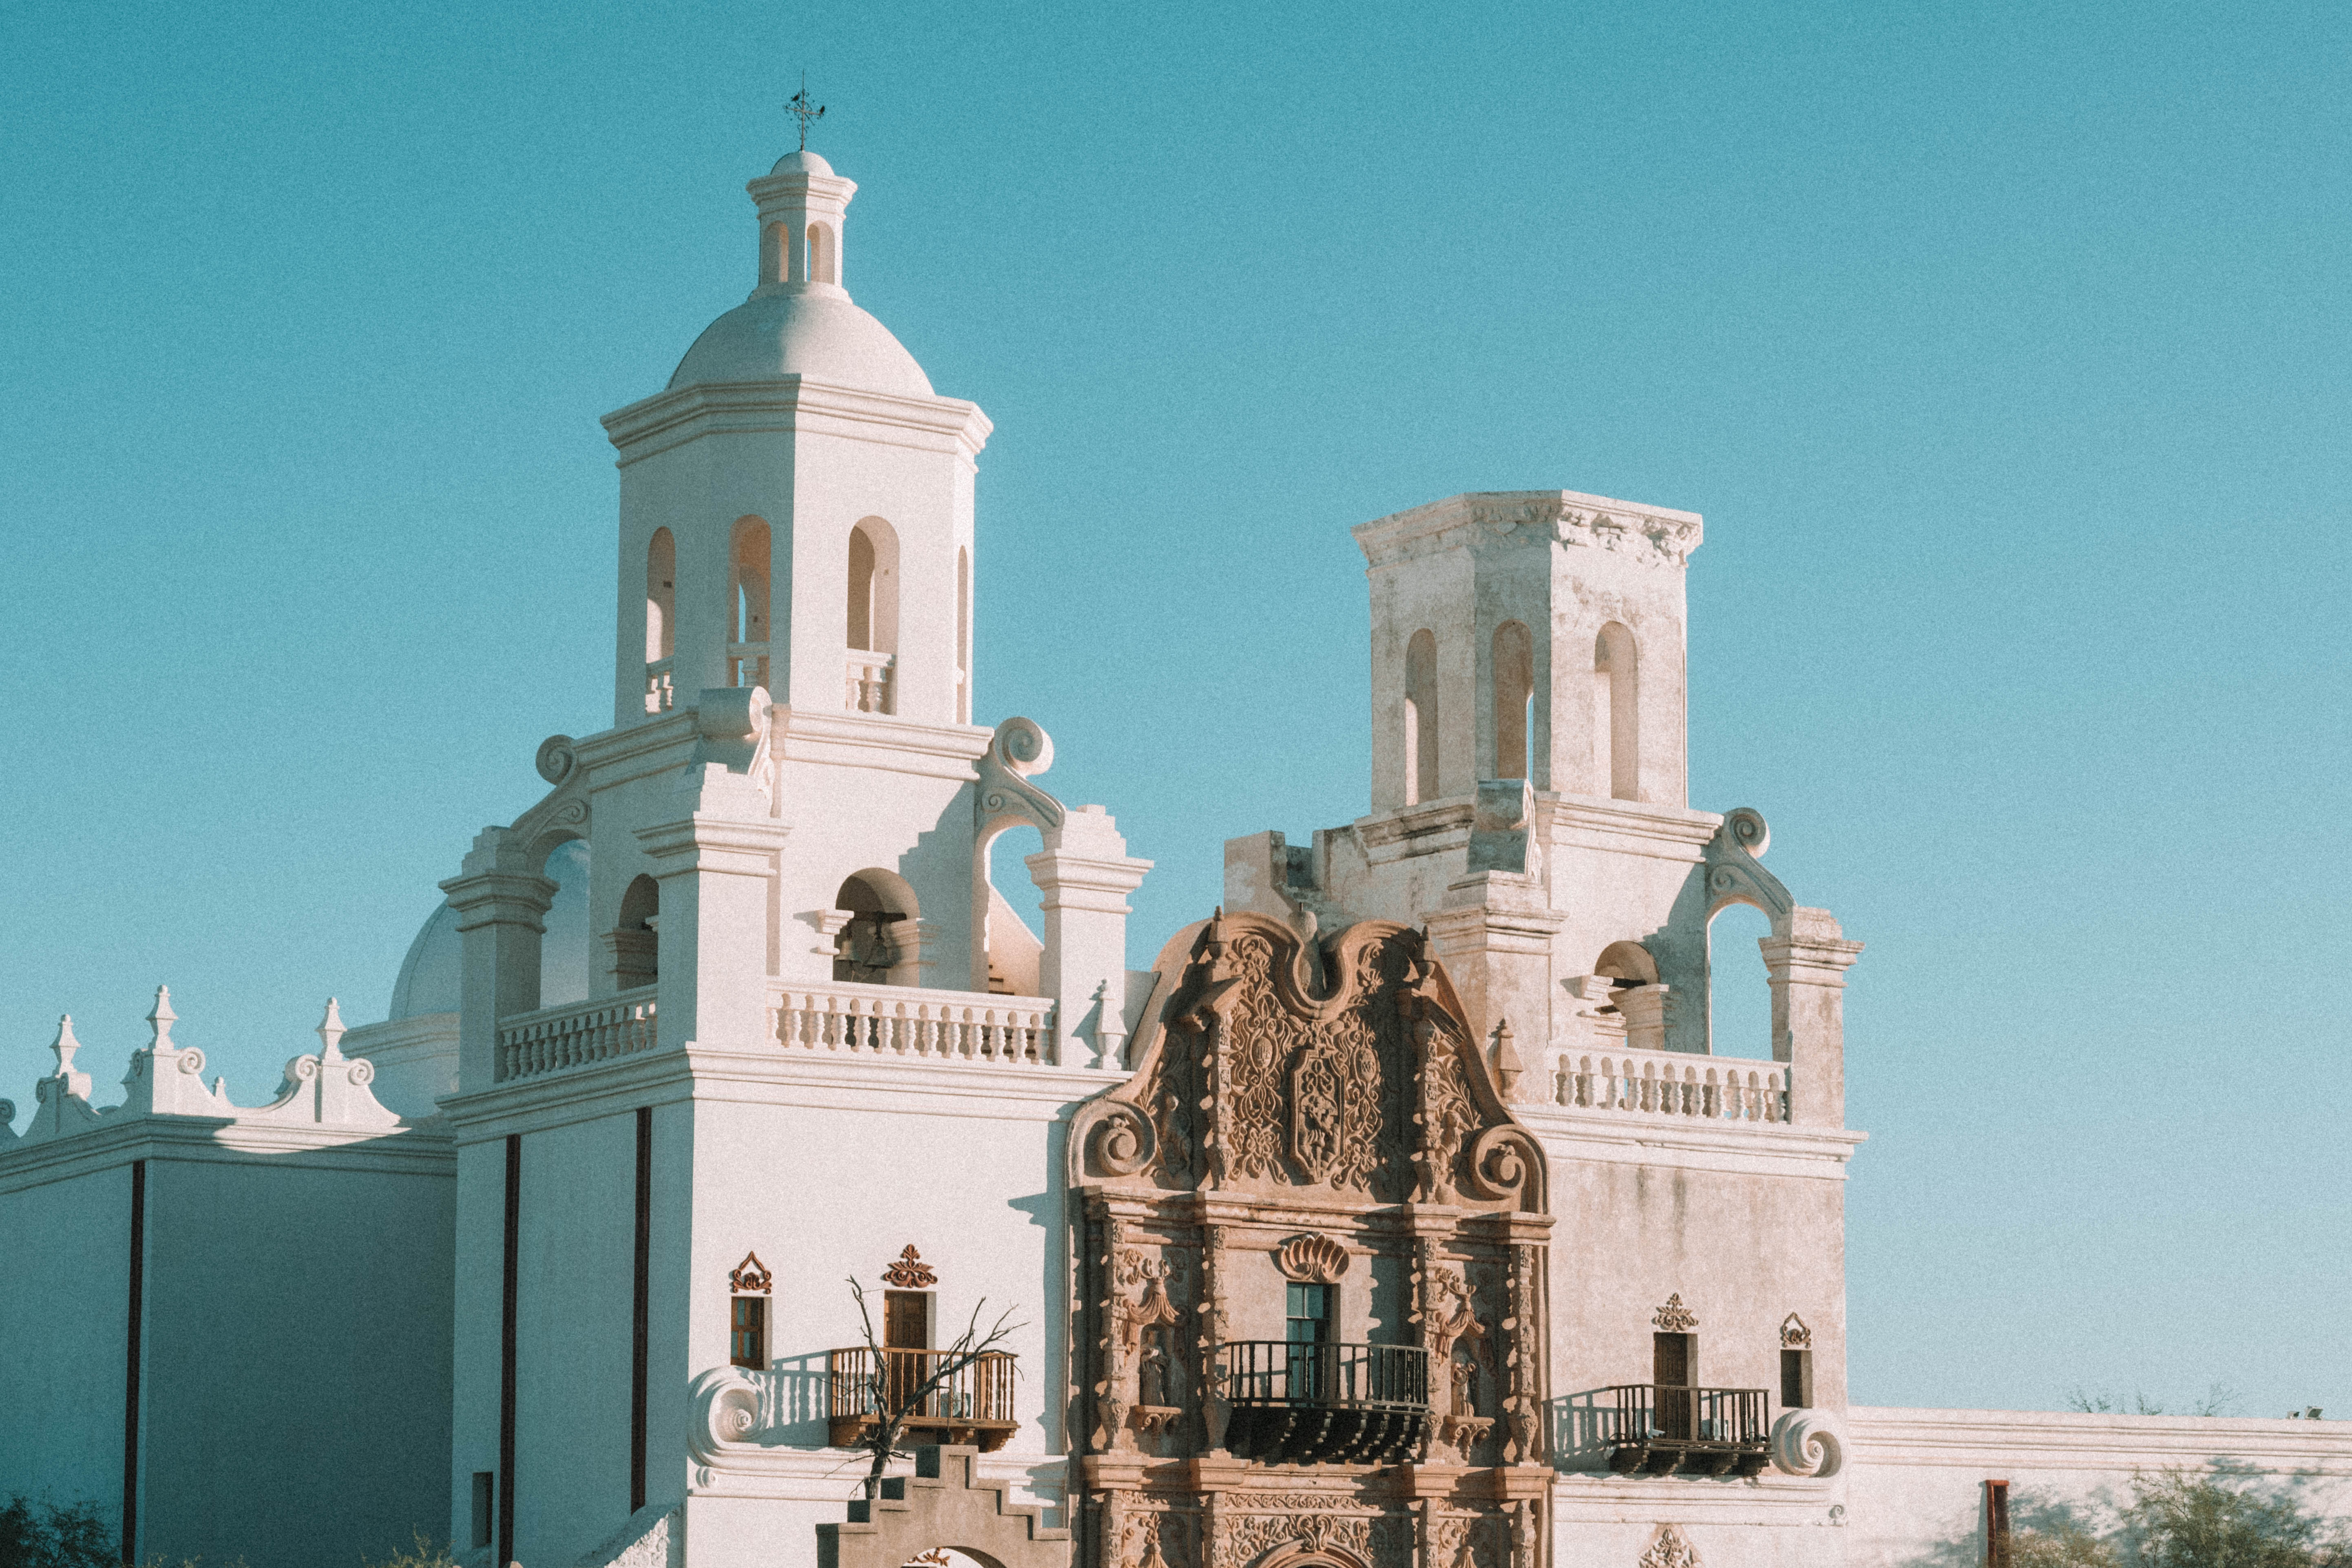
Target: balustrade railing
x=747 y=664
x=902 y=1021
x=1674 y=1083
x=973 y=1403
x=576 y=1033
x=869 y=682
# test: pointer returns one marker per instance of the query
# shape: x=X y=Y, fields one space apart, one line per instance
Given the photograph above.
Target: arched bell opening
x=633 y=947
x=1738 y=987
x=880 y=943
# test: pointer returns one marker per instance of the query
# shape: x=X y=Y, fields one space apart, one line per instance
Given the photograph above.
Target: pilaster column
x=1807 y=976
x=1494 y=935
x=712 y=981
x=916 y=940
x=1644 y=1009
x=501 y=915
x=1086 y=874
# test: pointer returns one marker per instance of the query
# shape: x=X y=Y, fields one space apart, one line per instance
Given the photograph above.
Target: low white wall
x=1916 y=1477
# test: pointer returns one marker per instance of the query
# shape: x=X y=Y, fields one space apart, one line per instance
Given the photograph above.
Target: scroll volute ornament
x=1313 y=1258
x=749 y=1278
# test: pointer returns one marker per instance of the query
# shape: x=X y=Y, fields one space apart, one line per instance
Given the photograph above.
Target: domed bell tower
x=796 y=510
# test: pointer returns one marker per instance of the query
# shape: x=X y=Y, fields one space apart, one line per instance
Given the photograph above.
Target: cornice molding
x=419 y=1149
x=1651 y=536
x=1618 y=1137
x=2072 y=1440
x=791 y=403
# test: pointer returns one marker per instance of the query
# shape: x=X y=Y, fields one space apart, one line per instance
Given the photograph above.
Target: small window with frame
x=747 y=1313
x=747 y=1333
x=1796 y=1379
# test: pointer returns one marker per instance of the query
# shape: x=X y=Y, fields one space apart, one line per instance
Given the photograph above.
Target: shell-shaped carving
x=1313 y=1258
x=555 y=759
x=1808 y=1443
x=1747 y=827
x=728 y=1410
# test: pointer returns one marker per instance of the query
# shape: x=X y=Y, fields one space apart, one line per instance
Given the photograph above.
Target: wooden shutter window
x=1796 y=1379
x=748 y=1333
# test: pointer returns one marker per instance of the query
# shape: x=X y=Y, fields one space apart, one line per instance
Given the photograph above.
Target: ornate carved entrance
x=1312 y=1313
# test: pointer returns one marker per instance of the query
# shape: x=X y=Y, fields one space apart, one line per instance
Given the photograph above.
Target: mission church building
x=1402 y=1214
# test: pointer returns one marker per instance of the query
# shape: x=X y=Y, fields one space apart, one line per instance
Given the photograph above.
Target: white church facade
x=1401 y=1214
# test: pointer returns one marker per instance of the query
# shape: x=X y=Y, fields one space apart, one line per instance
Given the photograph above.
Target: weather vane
x=798 y=107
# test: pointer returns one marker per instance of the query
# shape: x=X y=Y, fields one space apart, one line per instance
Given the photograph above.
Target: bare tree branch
x=891 y=1414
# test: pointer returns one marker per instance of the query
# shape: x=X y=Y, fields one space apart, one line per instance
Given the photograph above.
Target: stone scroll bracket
x=945 y=1503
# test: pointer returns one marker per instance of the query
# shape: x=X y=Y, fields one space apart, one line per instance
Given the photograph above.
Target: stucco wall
x=295 y=1385
x=303 y=1310
x=1916 y=1481
x=63 y=1305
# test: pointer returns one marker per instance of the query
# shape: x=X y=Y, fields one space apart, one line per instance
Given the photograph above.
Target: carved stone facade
x=1311 y=1283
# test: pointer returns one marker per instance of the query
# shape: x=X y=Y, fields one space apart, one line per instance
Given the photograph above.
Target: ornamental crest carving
x=1794 y=1335
x=1674 y=1318
x=1258 y=1075
x=910 y=1272
x=1671 y=1550
x=749 y=1278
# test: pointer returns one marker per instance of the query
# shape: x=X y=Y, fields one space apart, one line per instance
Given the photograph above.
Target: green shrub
x=46 y=1535
x=2064 y=1546
x=2179 y=1520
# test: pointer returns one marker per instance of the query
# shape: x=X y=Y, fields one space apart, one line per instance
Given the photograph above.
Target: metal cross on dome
x=798 y=106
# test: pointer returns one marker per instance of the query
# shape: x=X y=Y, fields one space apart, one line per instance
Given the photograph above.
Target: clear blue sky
x=2003 y=347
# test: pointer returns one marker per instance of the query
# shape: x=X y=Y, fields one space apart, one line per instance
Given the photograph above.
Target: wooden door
x=1671 y=1370
x=905 y=1327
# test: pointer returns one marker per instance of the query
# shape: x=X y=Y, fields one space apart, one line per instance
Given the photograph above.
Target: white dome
x=822 y=336
x=802 y=162
x=433 y=971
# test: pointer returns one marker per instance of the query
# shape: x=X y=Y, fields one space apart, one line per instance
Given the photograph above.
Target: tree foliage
x=2180 y=1521
x=47 y=1535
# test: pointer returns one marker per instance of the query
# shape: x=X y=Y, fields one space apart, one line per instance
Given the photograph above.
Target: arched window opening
x=1420 y=718
x=876 y=946
x=1739 y=989
x=1514 y=677
x=1616 y=713
x=661 y=619
x=963 y=635
x=775 y=254
x=633 y=944
x=1016 y=913
x=563 y=949
x=748 y=603
x=822 y=265
x=873 y=615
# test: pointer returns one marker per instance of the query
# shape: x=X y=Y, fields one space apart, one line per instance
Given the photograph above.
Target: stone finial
x=64 y=1045
x=331 y=1030
x=160 y=1018
x=1507 y=1064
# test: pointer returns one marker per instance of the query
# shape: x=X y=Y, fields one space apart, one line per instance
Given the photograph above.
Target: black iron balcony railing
x=1661 y=1429
x=1326 y=1404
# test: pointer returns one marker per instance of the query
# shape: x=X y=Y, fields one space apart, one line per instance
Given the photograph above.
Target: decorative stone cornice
x=789 y=402
x=1651 y=536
